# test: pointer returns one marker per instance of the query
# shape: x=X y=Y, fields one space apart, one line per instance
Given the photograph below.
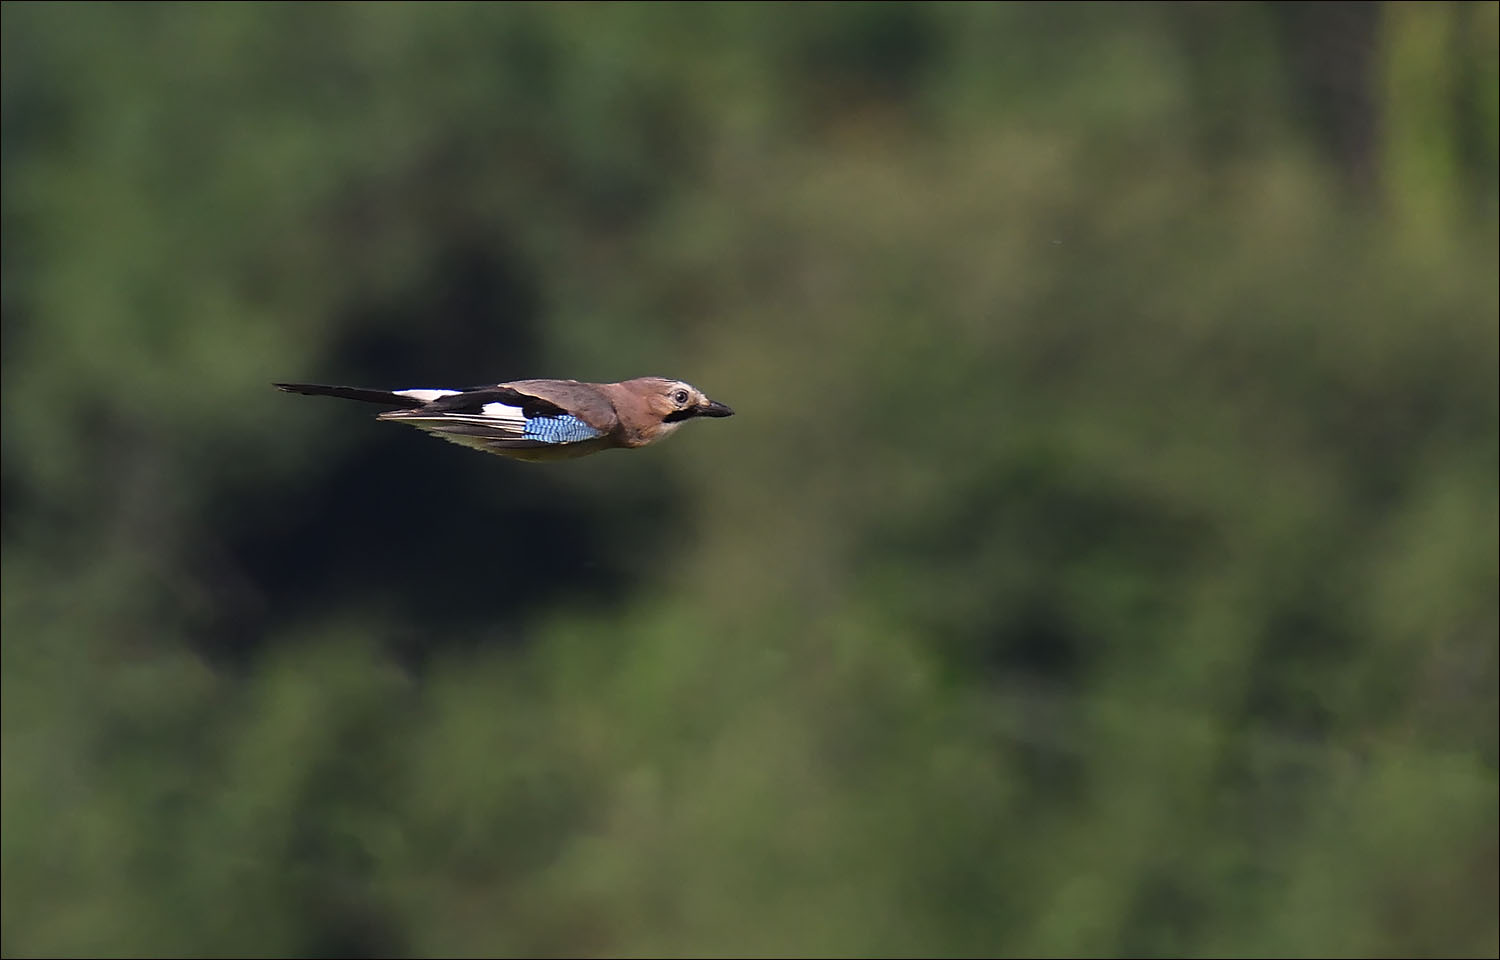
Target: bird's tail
x=387 y=397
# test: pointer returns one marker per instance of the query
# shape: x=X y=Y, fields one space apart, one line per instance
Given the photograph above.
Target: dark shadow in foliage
x=343 y=927
x=471 y=321
x=1166 y=908
x=1305 y=636
x=1330 y=50
x=1023 y=532
x=857 y=55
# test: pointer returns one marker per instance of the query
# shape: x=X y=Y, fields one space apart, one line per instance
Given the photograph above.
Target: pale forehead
x=667 y=386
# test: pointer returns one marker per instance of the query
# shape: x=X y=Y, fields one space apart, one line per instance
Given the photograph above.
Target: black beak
x=712 y=408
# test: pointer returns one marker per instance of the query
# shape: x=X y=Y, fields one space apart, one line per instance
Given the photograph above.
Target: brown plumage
x=541 y=419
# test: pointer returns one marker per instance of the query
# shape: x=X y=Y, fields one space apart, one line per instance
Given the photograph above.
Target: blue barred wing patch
x=560 y=429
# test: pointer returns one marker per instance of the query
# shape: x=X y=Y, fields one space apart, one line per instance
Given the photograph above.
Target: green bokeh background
x=1103 y=559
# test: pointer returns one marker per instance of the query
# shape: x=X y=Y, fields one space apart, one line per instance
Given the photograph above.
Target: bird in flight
x=540 y=419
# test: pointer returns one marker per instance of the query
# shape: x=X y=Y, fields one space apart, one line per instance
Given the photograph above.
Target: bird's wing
x=583 y=400
x=502 y=419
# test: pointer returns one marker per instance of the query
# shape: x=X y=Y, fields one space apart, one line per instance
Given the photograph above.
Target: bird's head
x=673 y=402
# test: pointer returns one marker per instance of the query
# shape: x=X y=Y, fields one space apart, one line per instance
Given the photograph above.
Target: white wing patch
x=501 y=428
x=426 y=396
x=506 y=414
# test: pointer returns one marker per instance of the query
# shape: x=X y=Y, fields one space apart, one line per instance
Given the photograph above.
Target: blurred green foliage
x=1103 y=560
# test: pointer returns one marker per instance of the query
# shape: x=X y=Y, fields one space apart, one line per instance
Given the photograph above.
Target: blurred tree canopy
x=1103 y=560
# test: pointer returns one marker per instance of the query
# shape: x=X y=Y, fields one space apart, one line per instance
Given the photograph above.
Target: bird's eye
x=680 y=397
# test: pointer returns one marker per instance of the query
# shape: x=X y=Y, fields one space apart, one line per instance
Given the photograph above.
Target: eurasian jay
x=541 y=419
